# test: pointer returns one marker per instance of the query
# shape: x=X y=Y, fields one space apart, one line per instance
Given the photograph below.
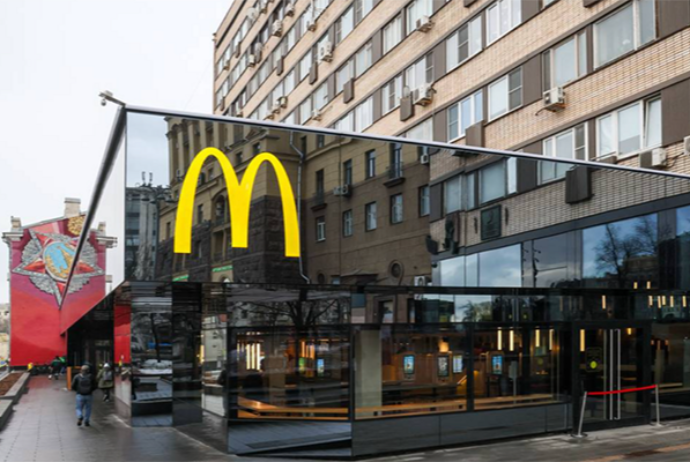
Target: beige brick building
x=603 y=80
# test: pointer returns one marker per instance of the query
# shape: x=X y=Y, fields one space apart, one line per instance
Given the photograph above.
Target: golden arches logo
x=239 y=201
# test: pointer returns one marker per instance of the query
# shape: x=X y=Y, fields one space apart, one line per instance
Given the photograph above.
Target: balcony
x=396 y=175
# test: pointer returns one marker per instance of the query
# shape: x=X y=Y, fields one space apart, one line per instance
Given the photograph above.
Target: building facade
x=572 y=281
x=41 y=257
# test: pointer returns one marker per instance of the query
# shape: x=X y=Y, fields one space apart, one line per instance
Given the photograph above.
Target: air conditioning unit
x=252 y=14
x=275 y=107
x=270 y=116
x=316 y=114
x=554 y=99
x=424 y=95
x=424 y=24
x=653 y=158
x=226 y=65
x=686 y=145
x=326 y=52
x=344 y=190
x=421 y=281
x=263 y=6
x=311 y=24
x=282 y=101
x=277 y=28
x=424 y=158
x=253 y=60
x=289 y=9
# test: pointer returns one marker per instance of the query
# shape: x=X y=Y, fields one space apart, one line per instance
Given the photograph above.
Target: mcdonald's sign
x=239 y=201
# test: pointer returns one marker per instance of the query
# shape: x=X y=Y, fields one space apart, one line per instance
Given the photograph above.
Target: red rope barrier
x=615 y=392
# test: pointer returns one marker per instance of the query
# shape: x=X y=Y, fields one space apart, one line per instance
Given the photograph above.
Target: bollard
x=579 y=433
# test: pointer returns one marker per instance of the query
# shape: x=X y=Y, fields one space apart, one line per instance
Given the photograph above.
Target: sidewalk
x=43 y=427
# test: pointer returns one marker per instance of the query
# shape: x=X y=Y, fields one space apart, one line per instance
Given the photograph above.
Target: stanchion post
x=579 y=433
x=658 y=411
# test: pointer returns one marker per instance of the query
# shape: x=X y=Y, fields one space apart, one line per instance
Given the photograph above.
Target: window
x=320 y=183
x=168 y=228
x=347 y=172
x=392 y=34
x=630 y=129
x=422 y=131
x=570 y=144
x=416 y=11
x=256 y=148
x=363 y=59
x=492 y=182
x=345 y=123
x=371 y=164
x=420 y=72
x=424 y=201
x=396 y=160
x=344 y=75
x=501 y=267
x=505 y=94
x=391 y=94
x=452 y=195
x=616 y=255
x=565 y=62
x=305 y=66
x=364 y=115
x=624 y=31
x=502 y=17
x=199 y=214
x=321 y=96
x=396 y=208
x=370 y=216
x=320 y=229
x=464 y=43
x=305 y=111
x=347 y=223
x=362 y=8
x=320 y=141
x=464 y=114
x=344 y=25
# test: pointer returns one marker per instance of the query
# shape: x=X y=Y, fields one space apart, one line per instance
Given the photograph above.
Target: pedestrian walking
x=63 y=364
x=83 y=385
x=106 y=381
x=55 y=368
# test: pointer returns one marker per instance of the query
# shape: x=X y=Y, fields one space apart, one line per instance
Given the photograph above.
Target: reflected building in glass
x=391 y=295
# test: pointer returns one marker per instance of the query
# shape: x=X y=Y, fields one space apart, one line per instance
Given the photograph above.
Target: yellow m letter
x=239 y=200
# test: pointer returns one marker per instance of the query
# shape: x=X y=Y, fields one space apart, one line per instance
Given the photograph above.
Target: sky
x=56 y=56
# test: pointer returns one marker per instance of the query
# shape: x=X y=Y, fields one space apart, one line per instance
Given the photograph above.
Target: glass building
x=308 y=305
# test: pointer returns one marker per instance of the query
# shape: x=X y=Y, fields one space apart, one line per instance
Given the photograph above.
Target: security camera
x=108 y=96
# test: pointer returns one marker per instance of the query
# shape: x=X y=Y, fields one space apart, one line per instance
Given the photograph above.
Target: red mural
x=40 y=264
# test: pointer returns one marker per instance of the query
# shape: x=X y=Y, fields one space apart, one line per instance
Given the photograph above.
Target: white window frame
x=347 y=18
x=397 y=209
x=580 y=58
x=364 y=115
x=417 y=10
x=346 y=69
x=637 y=39
x=370 y=164
x=500 y=8
x=392 y=90
x=474 y=34
x=643 y=105
x=363 y=59
x=424 y=197
x=348 y=223
x=550 y=144
x=320 y=229
x=371 y=216
x=476 y=100
x=392 y=34
x=320 y=96
x=509 y=109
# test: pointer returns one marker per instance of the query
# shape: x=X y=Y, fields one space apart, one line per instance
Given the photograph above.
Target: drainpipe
x=299 y=200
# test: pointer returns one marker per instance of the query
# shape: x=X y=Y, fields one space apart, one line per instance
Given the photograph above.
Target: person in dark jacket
x=55 y=368
x=83 y=384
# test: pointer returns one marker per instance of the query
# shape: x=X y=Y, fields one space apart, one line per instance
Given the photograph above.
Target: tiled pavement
x=43 y=428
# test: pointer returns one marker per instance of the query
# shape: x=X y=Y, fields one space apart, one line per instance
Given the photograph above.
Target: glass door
x=611 y=360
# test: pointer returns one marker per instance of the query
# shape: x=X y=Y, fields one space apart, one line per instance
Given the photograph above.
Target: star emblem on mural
x=47 y=259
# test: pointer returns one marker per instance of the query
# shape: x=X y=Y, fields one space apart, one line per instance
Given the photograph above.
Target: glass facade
x=484 y=308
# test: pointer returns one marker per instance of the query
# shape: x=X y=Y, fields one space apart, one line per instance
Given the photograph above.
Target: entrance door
x=612 y=359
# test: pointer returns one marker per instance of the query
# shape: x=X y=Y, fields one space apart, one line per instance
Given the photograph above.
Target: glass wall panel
x=670 y=367
x=621 y=255
x=516 y=367
x=501 y=267
x=408 y=371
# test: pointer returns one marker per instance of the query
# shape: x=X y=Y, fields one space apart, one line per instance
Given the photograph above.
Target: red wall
x=36 y=288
